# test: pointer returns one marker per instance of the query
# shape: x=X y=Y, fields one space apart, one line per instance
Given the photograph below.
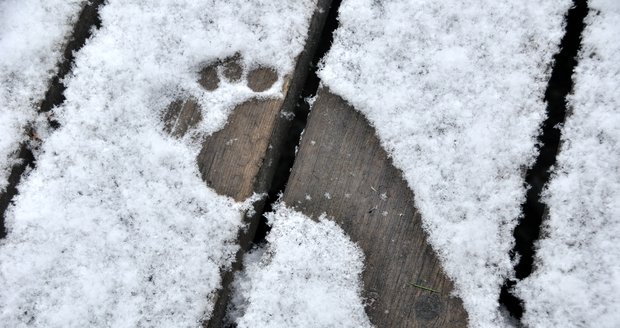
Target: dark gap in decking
x=82 y=30
x=88 y=18
x=302 y=109
x=527 y=232
x=26 y=160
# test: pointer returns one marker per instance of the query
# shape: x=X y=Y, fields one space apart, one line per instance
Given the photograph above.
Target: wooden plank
x=240 y=159
x=342 y=170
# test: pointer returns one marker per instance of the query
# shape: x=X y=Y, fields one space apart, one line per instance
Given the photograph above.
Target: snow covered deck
x=157 y=168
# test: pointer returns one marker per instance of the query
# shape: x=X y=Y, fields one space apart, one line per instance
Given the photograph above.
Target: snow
x=32 y=35
x=307 y=276
x=577 y=278
x=114 y=227
x=454 y=90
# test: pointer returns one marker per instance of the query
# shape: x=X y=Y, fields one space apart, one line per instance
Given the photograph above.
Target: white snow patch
x=115 y=228
x=577 y=278
x=289 y=116
x=454 y=90
x=310 y=101
x=32 y=36
x=308 y=276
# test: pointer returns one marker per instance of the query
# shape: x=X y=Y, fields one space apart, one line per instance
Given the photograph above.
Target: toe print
x=261 y=79
x=232 y=69
x=209 y=78
x=183 y=116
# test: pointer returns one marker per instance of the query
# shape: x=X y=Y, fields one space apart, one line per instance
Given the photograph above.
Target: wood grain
x=341 y=156
x=230 y=160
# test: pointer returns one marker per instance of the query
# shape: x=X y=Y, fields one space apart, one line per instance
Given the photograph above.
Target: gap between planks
x=560 y=85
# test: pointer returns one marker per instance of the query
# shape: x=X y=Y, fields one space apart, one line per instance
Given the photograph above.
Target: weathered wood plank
x=240 y=159
x=342 y=170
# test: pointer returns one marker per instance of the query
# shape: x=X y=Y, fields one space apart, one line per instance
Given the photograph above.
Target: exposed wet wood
x=261 y=79
x=232 y=68
x=181 y=117
x=209 y=78
x=230 y=160
x=342 y=170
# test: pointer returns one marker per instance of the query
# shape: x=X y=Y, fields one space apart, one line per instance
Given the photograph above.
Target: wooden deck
x=340 y=169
